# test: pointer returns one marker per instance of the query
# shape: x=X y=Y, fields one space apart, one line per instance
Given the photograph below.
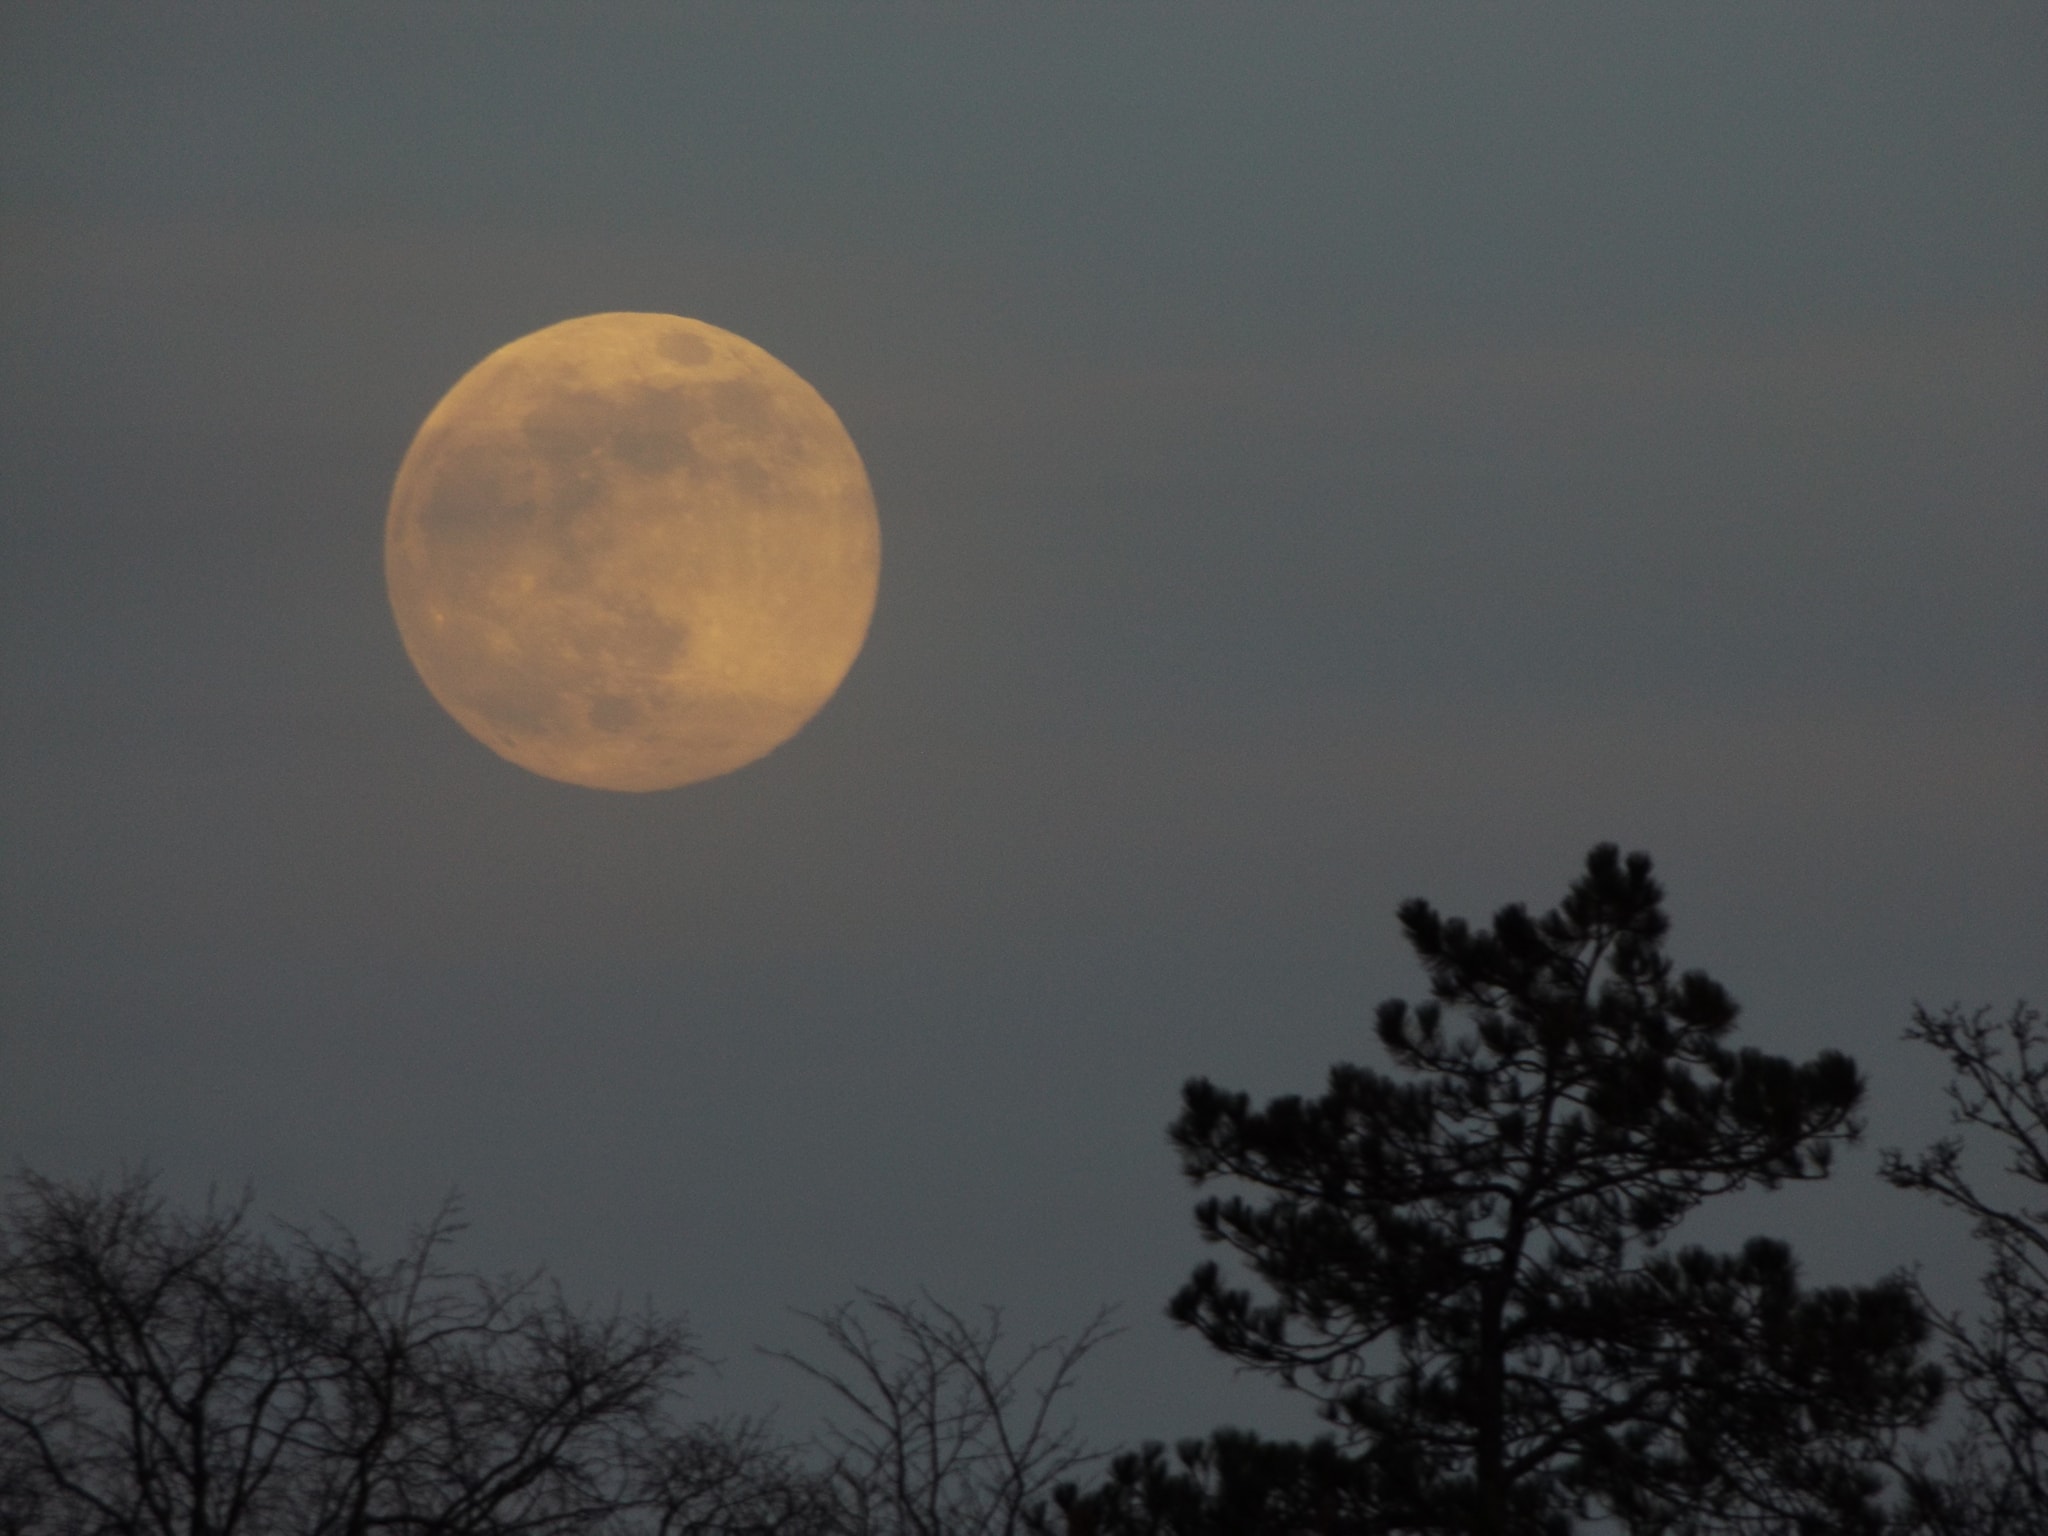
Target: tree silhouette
x=1465 y=1265
x=166 y=1373
x=1232 y=1484
x=947 y=1429
x=1993 y=1481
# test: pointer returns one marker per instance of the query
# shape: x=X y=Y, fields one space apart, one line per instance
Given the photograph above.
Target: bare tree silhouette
x=1993 y=1481
x=169 y=1374
x=947 y=1430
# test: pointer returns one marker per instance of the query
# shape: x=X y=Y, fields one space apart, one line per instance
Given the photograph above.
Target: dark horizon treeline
x=1463 y=1264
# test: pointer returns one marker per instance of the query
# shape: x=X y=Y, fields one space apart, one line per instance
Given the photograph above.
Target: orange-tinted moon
x=632 y=551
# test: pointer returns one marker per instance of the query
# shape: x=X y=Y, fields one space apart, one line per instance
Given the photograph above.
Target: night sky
x=1325 y=455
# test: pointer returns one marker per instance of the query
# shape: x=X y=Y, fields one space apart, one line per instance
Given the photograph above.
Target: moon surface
x=632 y=551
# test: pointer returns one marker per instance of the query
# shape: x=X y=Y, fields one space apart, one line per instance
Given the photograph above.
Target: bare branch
x=951 y=1432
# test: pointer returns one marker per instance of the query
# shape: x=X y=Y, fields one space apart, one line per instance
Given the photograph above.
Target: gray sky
x=1325 y=455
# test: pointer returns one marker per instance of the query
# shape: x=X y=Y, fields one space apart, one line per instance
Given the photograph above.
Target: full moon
x=632 y=551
